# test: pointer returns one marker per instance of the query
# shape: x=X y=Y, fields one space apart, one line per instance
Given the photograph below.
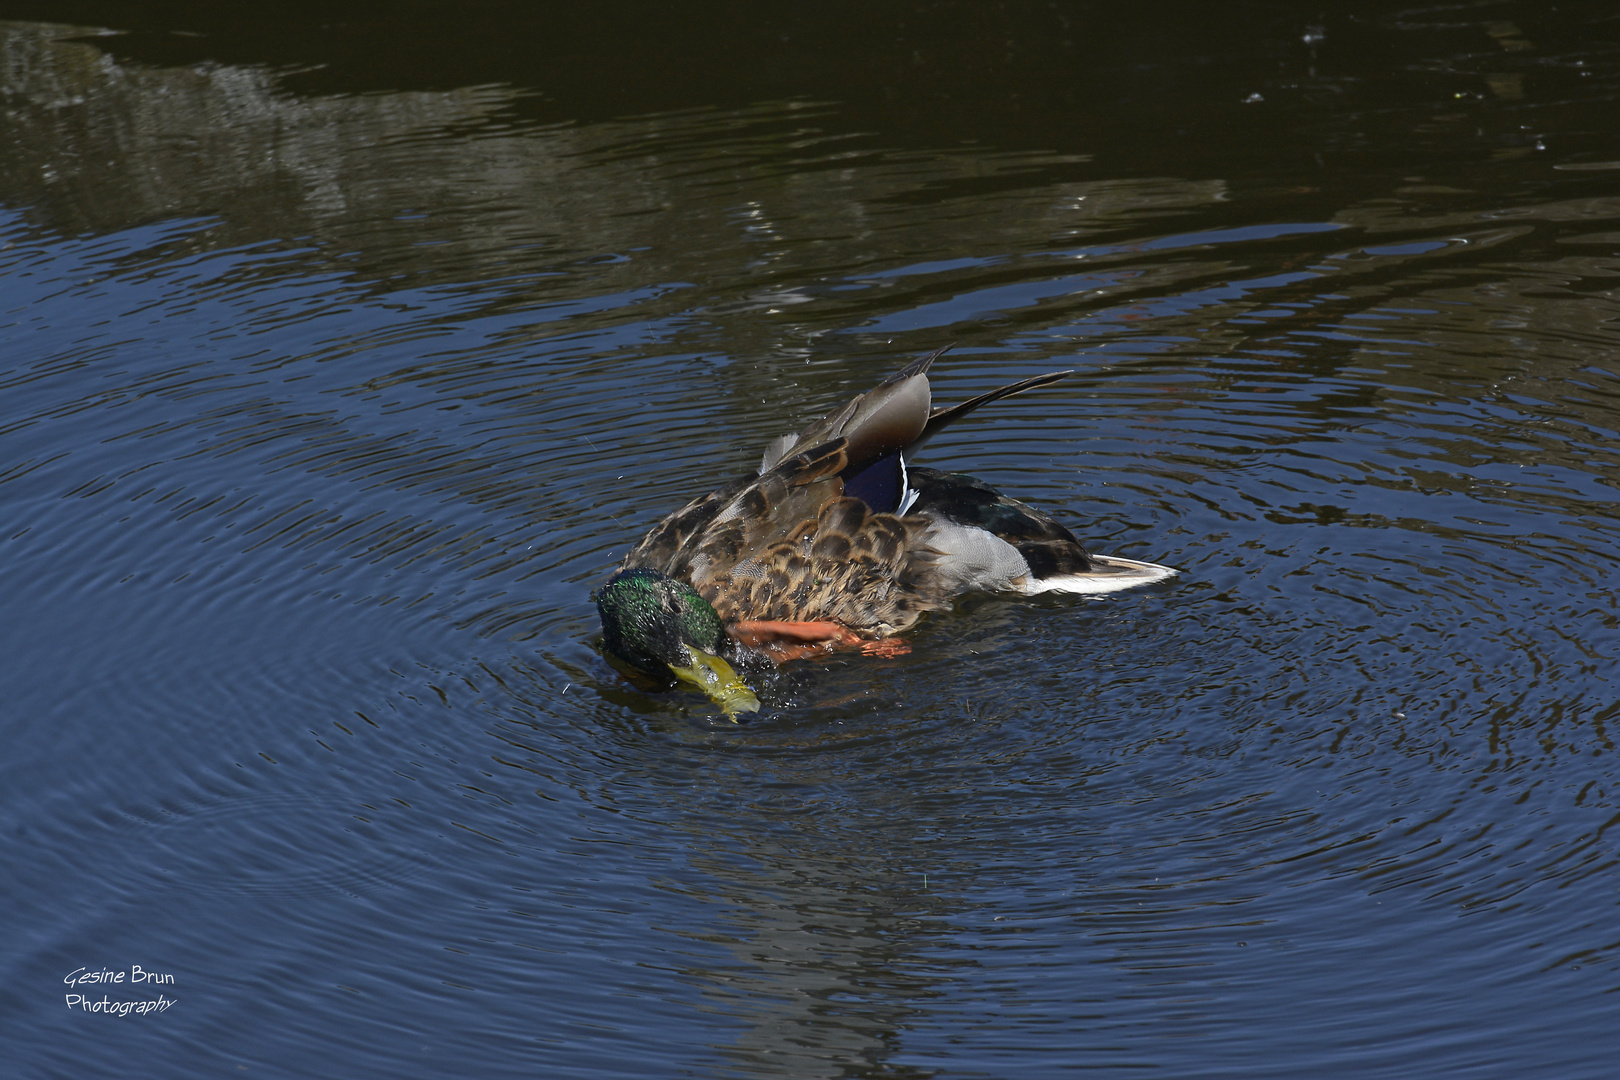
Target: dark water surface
x=343 y=352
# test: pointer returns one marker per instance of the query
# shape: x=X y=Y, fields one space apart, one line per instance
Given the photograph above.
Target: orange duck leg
x=783 y=641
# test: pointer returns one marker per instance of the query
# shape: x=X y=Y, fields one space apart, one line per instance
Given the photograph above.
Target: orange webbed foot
x=885 y=647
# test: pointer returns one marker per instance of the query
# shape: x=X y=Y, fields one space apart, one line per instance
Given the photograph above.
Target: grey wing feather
x=890 y=416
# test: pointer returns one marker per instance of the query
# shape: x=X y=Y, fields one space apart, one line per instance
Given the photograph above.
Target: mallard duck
x=837 y=541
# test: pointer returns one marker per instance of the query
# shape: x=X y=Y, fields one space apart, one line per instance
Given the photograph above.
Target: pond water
x=340 y=360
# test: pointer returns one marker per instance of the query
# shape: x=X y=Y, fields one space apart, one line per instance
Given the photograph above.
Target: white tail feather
x=1112 y=575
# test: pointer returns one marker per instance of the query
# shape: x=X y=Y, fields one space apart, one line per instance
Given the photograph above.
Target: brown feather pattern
x=788 y=544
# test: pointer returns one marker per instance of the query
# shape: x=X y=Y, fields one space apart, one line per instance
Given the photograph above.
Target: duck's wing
x=665 y=540
x=868 y=572
x=790 y=546
x=894 y=415
x=887 y=424
x=708 y=535
x=883 y=482
x=890 y=416
x=943 y=417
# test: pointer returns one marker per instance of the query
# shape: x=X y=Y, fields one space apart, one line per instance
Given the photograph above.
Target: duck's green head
x=662 y=627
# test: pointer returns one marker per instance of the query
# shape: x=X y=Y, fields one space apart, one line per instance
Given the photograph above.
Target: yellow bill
x=716 y=678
